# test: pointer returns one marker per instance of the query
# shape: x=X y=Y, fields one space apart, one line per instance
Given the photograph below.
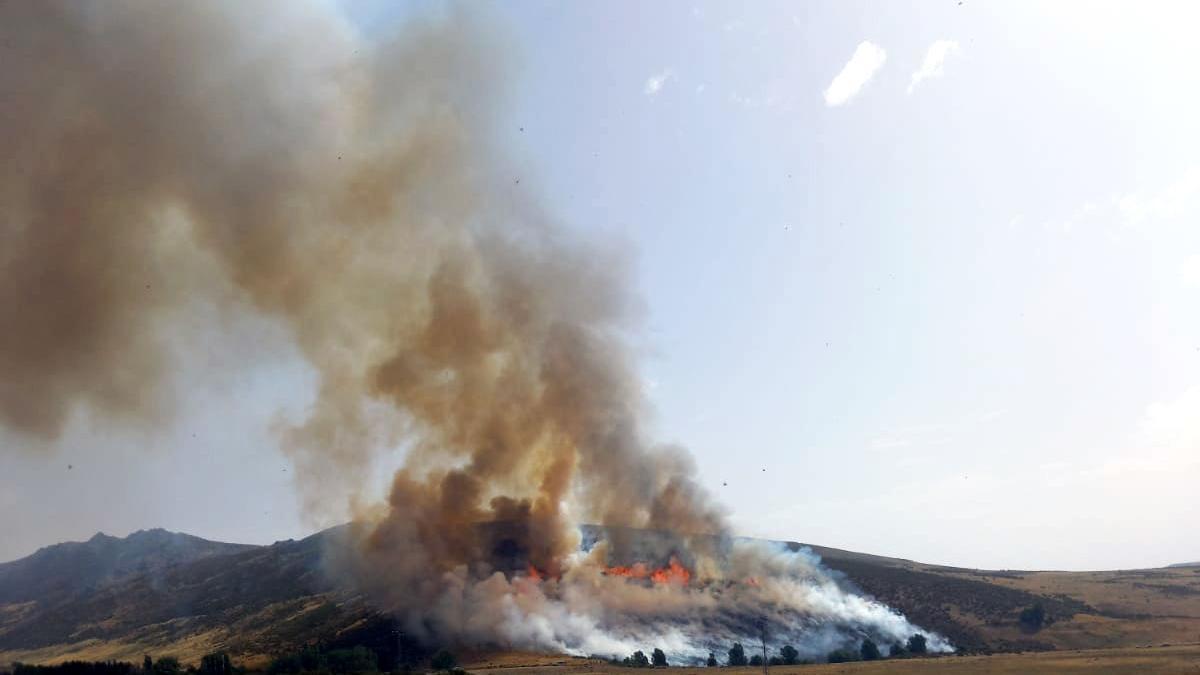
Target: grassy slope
x=978 y=609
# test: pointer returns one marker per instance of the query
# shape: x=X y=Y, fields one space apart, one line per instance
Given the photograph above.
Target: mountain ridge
x=173 y=593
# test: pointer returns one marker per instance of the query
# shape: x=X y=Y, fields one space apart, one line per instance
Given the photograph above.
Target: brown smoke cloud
x=263 y=157
x=349 y=190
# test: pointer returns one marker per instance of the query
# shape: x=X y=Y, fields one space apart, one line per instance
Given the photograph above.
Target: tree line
x=788 y=655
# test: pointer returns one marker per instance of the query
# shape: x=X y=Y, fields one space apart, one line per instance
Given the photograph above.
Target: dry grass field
x=1174 y=660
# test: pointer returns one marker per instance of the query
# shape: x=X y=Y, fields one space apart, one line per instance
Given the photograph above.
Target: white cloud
x=868 y=58
x=655 y=83
x=935 y=59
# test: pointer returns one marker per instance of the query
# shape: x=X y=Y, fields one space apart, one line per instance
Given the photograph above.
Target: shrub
x=658 y=658
x=789 y=655
x=869 y=650
x=896 y=649
x=756 y=660
x=712 y=660
x=1033 y=618
x=167 y=665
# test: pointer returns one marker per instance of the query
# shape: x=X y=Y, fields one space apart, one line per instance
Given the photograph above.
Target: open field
x=1173 y=660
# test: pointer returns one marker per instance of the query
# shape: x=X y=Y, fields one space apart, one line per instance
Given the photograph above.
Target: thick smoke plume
x=263 y=156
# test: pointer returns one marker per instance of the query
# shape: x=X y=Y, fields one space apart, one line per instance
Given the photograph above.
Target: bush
x=896 y=649
x=756 y=660
x=443 y=660
x=167 y=665
x=1033 y=618
x=841 y=656
x=869 y=650
x=712 y=660
x=658 y=658
x=737 y=655
x=916 y=644
x=789 y=655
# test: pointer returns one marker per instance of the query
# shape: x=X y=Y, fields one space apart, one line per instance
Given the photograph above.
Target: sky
x=919 y=279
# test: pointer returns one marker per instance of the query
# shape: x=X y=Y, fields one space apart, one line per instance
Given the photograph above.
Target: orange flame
x=534 y=573
x=673 y=573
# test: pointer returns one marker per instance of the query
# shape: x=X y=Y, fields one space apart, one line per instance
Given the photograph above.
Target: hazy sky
x=934 y=266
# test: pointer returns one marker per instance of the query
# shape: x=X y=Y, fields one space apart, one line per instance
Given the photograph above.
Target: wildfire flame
x=673 y=573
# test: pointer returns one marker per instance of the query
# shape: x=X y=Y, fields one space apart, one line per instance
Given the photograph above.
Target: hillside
x=167 y=593
x=252 y=600
x=979 y=610
x=71 y=567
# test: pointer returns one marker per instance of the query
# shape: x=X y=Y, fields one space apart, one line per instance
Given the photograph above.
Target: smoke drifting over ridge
x=264 y=157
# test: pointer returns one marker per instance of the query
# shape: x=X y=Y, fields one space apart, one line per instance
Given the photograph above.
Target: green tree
x=443 y=660
x=789 y=655
x=658 y=658
x=287 y=664
x=147 y=663
x=917 y=644
x=356 y=660
x=869 y=650
x=841 y=656
x=312 y=659
x=756 y=660
x=896 y=649
x=712 y=660
x=737 y=655
x=167 y=665
x=638 y=660
x=217 y=663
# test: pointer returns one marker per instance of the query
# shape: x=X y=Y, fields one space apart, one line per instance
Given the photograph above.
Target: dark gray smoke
x=264 y=157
